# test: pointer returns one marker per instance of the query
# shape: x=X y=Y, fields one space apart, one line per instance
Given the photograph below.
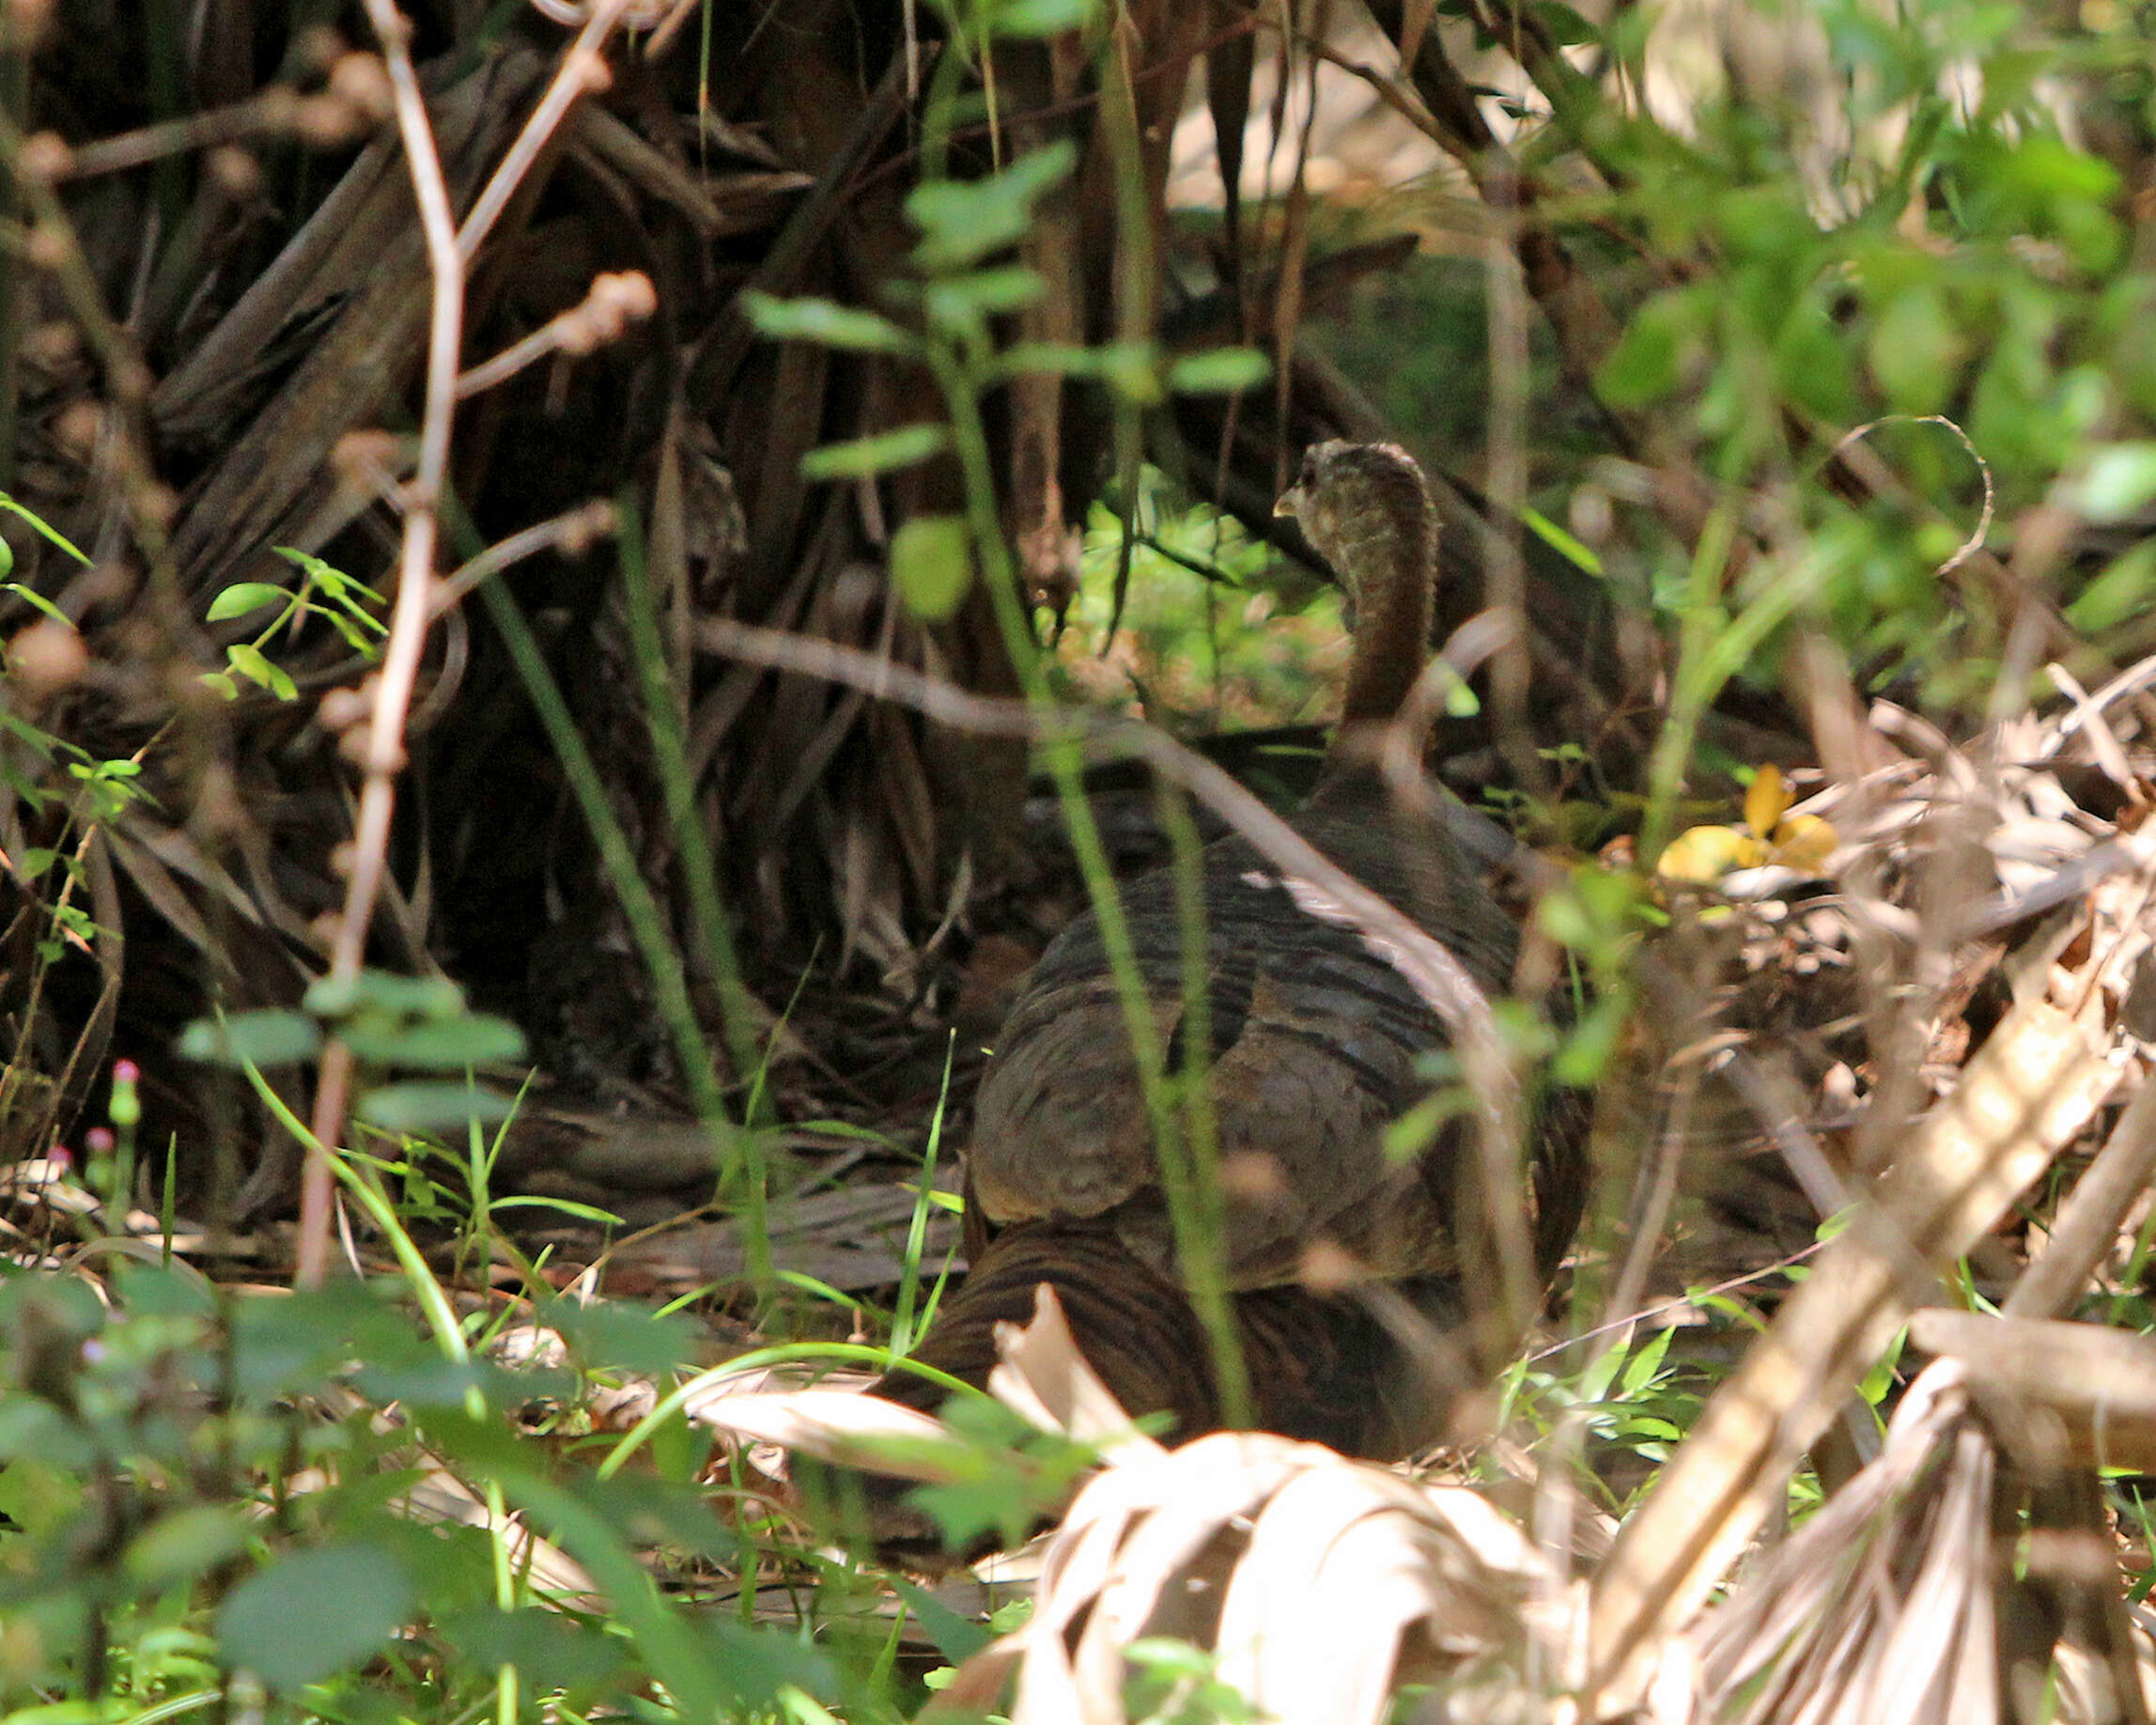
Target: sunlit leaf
x=273 y=1036
x=827 y=323
x=1705 y=854
x=1916 y=350
x=2124 y=590
x=1563 y=543
x=932 y=564
x=36 y=601
x=1222 y=371
x=1765 y=799
x=251 y=663
x=37 y=522
x=2121 y=478
x=1804 y=842
x=245 y=595
x=422 y=1108
x=1040 y=17
x=1648 y=361
x=880 y=454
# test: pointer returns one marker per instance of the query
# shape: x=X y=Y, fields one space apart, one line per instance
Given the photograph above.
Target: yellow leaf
x=1767 y=801
x=1705 y=854
x=1804 y=842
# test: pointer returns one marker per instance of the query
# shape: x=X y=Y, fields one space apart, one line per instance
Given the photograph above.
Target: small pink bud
x=97 y=1141
x=125 y=1072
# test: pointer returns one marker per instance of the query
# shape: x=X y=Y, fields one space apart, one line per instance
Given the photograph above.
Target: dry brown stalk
x=2038 y=1078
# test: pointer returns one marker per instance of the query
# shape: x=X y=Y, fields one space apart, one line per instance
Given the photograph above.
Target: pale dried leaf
x=845 y=1428
x=1042 y=1375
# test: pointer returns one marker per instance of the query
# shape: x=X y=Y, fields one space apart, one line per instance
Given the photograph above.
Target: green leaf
x=180 y=1547
x=932 y=564
x=962 y=221
x=273 y=1036
x=548 y=1650
x=1039 y=17
x=425 y=997
x=322 y=574
x=251 y=663
x=245 y=595
x=1880 y=1379
x=223 y=685
x=615 y=1334
x=1648 y=361
x=424 y=1107
x=960 y=302
x=1916 y=350
x=314 y=1613
x=35 y=521
x=1221 y=372
x=446 y=1043
x=1055 y=358
x=827 y=323
x=2119 y=479
x=37 y=601
x=1563 y=543
x=858 y=460
x=1592 y=1041
x=1564 y=26
x=2124 y=590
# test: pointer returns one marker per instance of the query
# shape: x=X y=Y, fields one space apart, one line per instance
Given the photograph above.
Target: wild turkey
x=1318 y=1046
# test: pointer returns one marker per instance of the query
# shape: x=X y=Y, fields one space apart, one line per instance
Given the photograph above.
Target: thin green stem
x=1197 y=1248
x=700 y=868
x=647 y=926
x=1673 y=747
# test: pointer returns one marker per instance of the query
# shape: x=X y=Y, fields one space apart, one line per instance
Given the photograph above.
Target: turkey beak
x=1288 y=501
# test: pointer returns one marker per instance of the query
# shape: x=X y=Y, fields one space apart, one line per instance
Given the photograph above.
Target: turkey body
x=1316 y=1049
x=1316 y=1045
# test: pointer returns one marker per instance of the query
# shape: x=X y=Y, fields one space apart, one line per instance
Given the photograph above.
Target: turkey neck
x=1389 y=553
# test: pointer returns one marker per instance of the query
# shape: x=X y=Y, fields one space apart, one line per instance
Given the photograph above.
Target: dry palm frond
x=1914 y=1596
x=1880 y=1609
x=1316 y=1586
x=1319 y=1585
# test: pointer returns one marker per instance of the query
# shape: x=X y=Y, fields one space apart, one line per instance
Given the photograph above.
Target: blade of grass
x=646 y=926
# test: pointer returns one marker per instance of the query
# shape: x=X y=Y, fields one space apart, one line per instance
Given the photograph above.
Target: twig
x=570 y=533
x=354 y=101
x=448 y=253
x=582 y=71
x=384 y=751
x=615 y=301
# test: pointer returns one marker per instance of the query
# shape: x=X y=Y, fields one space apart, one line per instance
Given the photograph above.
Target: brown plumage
x=1317 y=1046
